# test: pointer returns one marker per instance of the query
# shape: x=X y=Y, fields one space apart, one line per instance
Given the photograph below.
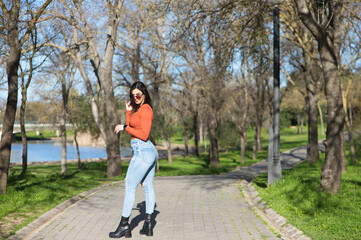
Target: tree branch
x=34 y=21
x=306 y=17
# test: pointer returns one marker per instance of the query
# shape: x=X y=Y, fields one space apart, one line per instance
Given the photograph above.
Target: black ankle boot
x=147 y=227
x=122 y=230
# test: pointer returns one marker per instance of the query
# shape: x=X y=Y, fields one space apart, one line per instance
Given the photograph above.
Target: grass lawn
x=43 y=187
x=318 y=214
x=44 y=134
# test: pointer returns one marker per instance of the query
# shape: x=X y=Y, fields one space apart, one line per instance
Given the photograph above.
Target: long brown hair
x=141 y=87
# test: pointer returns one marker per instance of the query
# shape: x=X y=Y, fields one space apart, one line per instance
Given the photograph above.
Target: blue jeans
x=141 y=170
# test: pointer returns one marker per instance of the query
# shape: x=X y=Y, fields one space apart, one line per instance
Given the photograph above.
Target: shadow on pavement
x=141 y=215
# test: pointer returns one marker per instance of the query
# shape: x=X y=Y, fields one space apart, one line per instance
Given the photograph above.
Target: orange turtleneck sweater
x=140 y=122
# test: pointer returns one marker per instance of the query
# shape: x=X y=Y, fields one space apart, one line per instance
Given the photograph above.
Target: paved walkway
x=188 y=207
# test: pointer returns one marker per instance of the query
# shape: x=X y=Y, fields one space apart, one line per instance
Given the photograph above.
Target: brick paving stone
x=187 y=208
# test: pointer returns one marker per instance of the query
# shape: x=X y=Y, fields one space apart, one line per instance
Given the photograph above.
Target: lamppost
x=274 y=167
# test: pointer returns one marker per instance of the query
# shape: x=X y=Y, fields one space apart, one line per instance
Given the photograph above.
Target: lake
x=50 y=150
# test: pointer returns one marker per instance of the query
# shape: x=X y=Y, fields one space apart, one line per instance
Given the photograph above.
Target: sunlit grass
x=43 y=187
x=318 y=214
x=44 y=134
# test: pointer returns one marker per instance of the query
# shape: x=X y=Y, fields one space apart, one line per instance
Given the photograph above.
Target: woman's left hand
x=118 y=128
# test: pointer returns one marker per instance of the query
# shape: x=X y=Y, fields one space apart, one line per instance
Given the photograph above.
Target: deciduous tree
x=324 y=20
x=15 y=40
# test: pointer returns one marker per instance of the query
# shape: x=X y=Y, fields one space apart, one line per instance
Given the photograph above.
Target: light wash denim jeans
x=141 y=170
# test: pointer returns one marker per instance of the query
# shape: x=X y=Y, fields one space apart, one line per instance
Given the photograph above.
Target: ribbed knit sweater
x=140 y=122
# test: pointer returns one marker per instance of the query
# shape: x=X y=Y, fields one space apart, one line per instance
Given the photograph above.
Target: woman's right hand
x=118 y=128
x=128 y=106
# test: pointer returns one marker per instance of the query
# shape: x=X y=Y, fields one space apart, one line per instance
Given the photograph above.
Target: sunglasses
x=138 y=96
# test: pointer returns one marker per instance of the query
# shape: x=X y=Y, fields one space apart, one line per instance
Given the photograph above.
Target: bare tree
x=26 y=76
x=324 y=21
x=86 y=42
x=12 y=19
x=307 y=63
x=351 y=48
x=202 y=32
x=63 y=67
x=240 y=115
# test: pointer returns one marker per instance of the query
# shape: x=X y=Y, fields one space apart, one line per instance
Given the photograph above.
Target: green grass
x=318 y=214
x=44 y=134
x=43 y=187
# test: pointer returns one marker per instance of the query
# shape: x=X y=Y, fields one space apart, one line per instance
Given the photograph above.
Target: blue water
x=43 y=151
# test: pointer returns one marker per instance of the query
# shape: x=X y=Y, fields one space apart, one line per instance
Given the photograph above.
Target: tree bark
x=332 y=168
x=327 y=31
x=23 y=132
x=350 y=138
x=12 y=65
x=213 y=137
x=186 y=138
x=343 y=153
x=254 y=148
x=77 y=148
x=169 y=150
x=11 y=20
x=243 y=146
x=195 y=132
x=104 y=77
x=62 y=126
x=113 y=151
x=321 y=119
x=313 y=154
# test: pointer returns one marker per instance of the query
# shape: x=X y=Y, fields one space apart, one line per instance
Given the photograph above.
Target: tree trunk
x=321 y=119
x=23 y=133
x=332 y=168
x=201 y=132
x=311 y=101
x=350 y=138
x=259 y=144
x=63 y=142
x=213 y=151
x=169 y=150
x=186 y=138
x=259 y=113
x=77 y=148
x=62 y=126
x=328 y=33
x=11 y=19
x=204 y=140
x=343 y=153
x=103 y=72
x=243 y=146
x=12 y=66
x=298 y=123
x=115 y=166
x=195 y=132
x=254 y=148
x=350 y=113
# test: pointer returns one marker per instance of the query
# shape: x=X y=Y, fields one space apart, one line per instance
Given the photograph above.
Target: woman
x=142 y=165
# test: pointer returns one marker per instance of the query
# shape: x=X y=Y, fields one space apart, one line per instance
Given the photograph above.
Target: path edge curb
x=47 y=216
x=273 y=219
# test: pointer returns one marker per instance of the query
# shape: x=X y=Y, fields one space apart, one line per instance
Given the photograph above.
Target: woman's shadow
x=141 y=216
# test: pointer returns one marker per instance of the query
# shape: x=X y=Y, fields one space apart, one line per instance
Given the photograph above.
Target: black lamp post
x=274 y=167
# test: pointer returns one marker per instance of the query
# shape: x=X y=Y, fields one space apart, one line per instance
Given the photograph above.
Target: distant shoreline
x=127 y=158
x=177 y=150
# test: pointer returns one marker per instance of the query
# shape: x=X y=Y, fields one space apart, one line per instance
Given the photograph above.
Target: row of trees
x=207 y=63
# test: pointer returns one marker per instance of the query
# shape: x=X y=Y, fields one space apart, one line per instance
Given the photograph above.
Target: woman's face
x=138 y=96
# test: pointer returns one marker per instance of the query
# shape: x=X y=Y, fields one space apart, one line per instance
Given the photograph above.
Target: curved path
x=188 y=207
